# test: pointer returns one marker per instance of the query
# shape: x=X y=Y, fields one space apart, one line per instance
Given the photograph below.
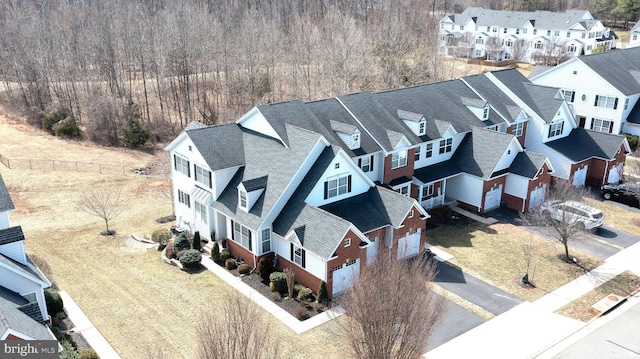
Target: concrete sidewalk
x=531 y=328
x=84 y=326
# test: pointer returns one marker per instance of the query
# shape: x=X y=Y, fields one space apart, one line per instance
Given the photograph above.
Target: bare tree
x=391 y=309
x=529 y=251
x=241 y=331
x=494 y=47
x=103 y=203
x=520 y=49
x=564 y=227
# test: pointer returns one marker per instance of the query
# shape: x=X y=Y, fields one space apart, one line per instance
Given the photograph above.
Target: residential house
x=23 y=310
x=603 y=89
x=274 y=187
x=581 y=155
x=634 y=40
x=523 y=36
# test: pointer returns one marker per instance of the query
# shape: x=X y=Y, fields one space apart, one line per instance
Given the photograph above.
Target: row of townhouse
x=329 y=185
x=634 y=35
x=523 y=36
x=602 y=89
x=23 y=309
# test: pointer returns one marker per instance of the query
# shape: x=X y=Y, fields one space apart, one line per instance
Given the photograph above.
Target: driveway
x=488 y=297
x=455 y=321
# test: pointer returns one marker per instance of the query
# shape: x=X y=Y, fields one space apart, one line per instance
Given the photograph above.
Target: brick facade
x=407 y=171
x=344 y=255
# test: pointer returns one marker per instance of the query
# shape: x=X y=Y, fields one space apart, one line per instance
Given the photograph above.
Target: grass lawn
x=137 y=302
x=618 y=217
x=493 y=253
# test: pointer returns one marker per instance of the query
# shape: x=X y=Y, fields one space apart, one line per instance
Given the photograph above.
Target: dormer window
x=485 y=113
x=555 y=129
x=355 y=141
x=243 y=199
x=422 y=128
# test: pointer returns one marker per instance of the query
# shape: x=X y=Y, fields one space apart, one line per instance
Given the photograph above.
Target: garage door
x=614 y=174
x=372 y=251
x=492 y=198
x=580 y=176
x=409 y=245
x=344 y=275
x=537 y=196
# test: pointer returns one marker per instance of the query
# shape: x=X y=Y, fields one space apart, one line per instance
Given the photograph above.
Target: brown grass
x=493 y=253
x=137 y=302
x=623 y=285
x=618 y=217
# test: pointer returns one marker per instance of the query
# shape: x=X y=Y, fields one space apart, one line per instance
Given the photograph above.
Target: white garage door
x=344 y=276
x=409 y=245
x=580 y=176
x=537 y=196
x=372 y=251
x=492 y=198
x=615 y=174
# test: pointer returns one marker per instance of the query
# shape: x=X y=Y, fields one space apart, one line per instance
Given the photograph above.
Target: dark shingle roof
x=255 y=183
x=11 y=234
x=634 y=115
x=621 y=68
x=527 y=164
x=480 y=151
x=583 y=144
x=6 y=204
x=498 y=100
x=437 y=172
x=221 y=146
x=16 y=313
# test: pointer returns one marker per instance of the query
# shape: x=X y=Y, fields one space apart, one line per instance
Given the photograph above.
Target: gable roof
x=6 y=204
x=634 y=115
x=515 y=19
x=620 y=68
x=582 y=144
x=498 y=100
x=17 y=314
x=480 y=151
x=527 y=164
x=11 y=234
x=29 y=270
x=221 y=146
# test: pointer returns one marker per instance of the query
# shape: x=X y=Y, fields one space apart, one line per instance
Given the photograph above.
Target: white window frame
x=181 y=165
x=355 y=141
x=556 y=128
x=518 y=129
x=428 y=150
x=297 y=255
x=626 y=103
x=337 y=185
x=200 y=211
x=605 y=101
x=572 y=48
x=601 y=125
x=242 y=235
x=347 y=242
x=416 y=155
x=184 y=198
x=446 y=145
x=479 y=41
x=242 y=200
x=398 y=159
x=422 y=128
x=202 y=175
x=427 y=190
x=569 y=95
x=365 y=164
x=266 y=240
x=538 y=45
x=404 y=190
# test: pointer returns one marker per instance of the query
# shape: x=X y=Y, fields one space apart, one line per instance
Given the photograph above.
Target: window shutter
x=210 y=183
x=596 y=103
x=360 y=163
x=549 y=132
x=326 y=190
x=371 y=164
x=573 y=96
x=562 y=127
x=233 y=231
x=175 y=162
x=615 y=104
x=349 y=184
x=304 y=256
x=592 y=121
x=610 y=126
x=292 y=253
x=250 y=241
x=188 y=169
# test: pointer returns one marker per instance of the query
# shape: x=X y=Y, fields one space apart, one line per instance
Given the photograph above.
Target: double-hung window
x=203 y=176
x=298 y=255
x=184 y=198
x=429 y=150
x=266 y=240
x=399 y=159
x=181 y=165
x=556 y=128
x=243 y=200
x=569 y=95
x=606 y=102
x=602 y=125
x=336 y=186
x=445 y=145
x=201 y=211
x=241 y=235
x=417 y=153
x=518 y=129
x=427 y=190
x=422 y=128
x=366 y=163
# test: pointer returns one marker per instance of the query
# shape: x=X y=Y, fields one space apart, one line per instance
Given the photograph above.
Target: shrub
x=181 y=243
x=161 y=236
x=135 y=134
x=279 y=280
x=54 y=302
x=223 y=241
x=197 y=245
x=191 y=258
x=224 y=255
x=213 y=235
x=230 y=263
x=302 y=313
x=305 y=294
x=67 y=128
x=265 y=266
x=244 y=269
x=323 y=296
x=68 y=351
x=64 y=337
x=88 y=354
x=215 y=252
x=633 y=141
x=50 y=119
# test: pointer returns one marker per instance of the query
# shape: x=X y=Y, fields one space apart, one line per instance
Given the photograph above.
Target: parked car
x=627 y=192
x=580 y=214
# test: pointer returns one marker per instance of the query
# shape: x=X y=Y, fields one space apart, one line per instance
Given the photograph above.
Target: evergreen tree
x=197 y=245
x=323 y=296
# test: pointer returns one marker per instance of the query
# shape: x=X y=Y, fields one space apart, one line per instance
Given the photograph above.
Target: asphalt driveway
x=454 y=322
x=487 y=296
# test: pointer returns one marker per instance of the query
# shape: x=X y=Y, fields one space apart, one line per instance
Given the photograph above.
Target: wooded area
x=212 y=60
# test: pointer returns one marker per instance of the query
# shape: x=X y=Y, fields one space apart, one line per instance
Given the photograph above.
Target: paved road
x=455 y=321
x=488 y=297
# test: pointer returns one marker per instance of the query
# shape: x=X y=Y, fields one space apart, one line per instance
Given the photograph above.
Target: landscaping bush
x=230 y=263
x=302 y=313
x=244 y=269
x=305 y=294
x=197 y=245
x=135 y=134
x=181 y=243
x=279 y=282
x=275 y=296
x=215 y=252
x=323 y=296
x=88 y=354
x=224 y=255
x=161 y=236
x=265 y=266
x=52 y=118
x=191 y=258
x=633 y=141
x=224 y=242
x=67 y=128
x=54 y=301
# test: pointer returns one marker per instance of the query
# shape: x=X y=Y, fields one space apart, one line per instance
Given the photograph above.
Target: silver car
x=573 y=212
